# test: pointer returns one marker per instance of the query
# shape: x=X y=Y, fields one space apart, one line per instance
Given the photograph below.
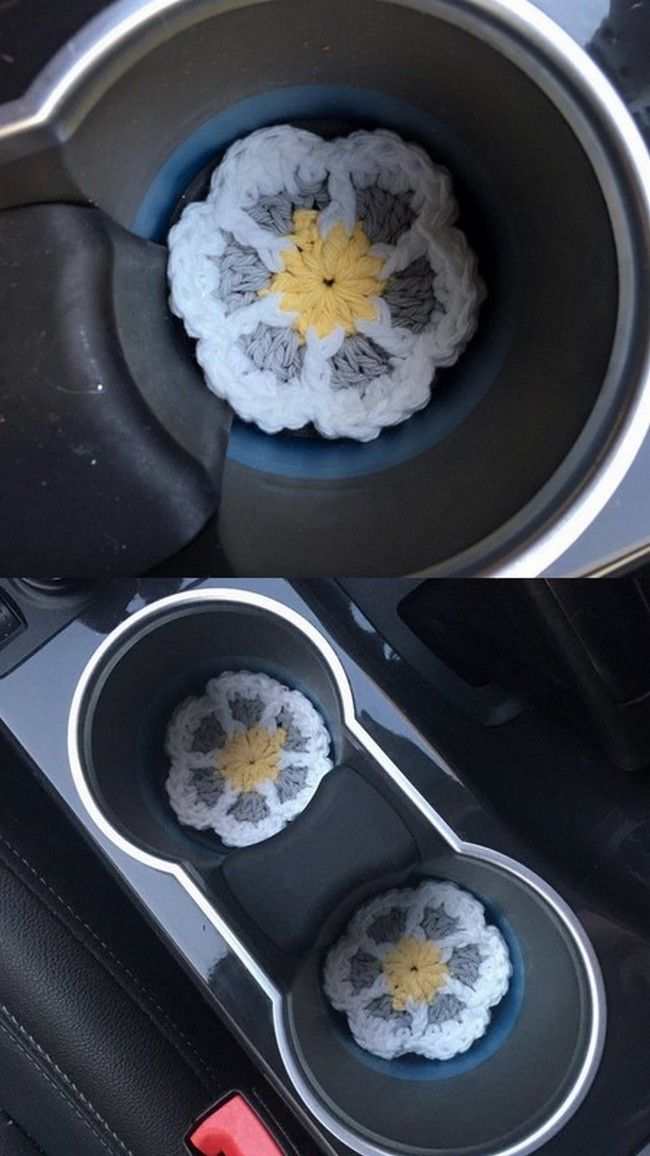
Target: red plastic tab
x=233 y=1129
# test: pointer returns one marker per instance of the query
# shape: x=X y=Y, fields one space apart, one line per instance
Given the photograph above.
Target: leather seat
x=105 y=1044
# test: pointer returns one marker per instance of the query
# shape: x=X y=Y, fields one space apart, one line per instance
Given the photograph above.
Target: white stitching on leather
x=210 y=1071
x=60 y=1092
x=66 y=1079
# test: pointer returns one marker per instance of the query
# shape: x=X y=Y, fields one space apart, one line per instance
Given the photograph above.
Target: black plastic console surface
x=33 y=611
x=350 y=834
x=10 y=622
x=111 y=447
x=580 y=649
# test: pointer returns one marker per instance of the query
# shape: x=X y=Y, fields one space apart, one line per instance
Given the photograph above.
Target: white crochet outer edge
x=180 y=786
x=389 y=1039
x=265 y=163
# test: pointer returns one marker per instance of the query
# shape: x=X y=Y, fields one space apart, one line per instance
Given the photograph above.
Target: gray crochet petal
x=465 y=963
x=295 y=740
x=437 y=923
x=385 y=216
x=364 y=969
x=410 y=296
x=276 y=212
x=290 y=782
x=208 y=784
x=389 y=927
x=382 y=1008
x=358 y=361
x=251 y=807
x=277 y=349
x=242 y=274
x=208 y=736
x=446 y=1006
x=246 y=710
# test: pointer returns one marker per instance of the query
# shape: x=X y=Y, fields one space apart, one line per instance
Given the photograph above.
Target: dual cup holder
x=282 y=902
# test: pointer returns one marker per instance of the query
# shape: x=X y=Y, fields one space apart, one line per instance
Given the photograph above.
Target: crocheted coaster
x=246 y=757
x=324 y=280
x=418 y=971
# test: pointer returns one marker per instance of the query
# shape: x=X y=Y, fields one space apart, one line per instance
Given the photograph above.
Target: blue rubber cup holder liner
x=281 y=903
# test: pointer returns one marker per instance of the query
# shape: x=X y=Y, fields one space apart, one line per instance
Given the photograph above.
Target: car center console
x=251 y=924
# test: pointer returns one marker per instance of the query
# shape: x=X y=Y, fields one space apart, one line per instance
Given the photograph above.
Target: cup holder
x=490 y=1098
x=503 y=1019
x=528 y=436
x=283 y=902
x=134 y=700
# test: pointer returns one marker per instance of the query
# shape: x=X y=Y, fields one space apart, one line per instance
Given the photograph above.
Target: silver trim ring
x=506 y=24
x=129 y=632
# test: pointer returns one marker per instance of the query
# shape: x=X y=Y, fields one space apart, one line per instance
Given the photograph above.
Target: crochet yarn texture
x=324 y=281
x=246 y=757
x=418 y=971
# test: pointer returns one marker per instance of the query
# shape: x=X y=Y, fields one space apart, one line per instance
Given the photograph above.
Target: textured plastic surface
x=10 y=623
x=577 y=648
x=110 y=447
x=348 y=834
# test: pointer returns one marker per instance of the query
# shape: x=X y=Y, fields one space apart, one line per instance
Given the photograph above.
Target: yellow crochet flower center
x=327 y=281
x=251 y=757
x=415 y=971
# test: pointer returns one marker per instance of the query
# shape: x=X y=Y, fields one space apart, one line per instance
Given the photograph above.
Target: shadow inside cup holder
x=288 y=898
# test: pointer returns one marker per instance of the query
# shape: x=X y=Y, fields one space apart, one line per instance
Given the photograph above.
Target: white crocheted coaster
x=246 y=757
x=418 y=970
x=324 y=281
